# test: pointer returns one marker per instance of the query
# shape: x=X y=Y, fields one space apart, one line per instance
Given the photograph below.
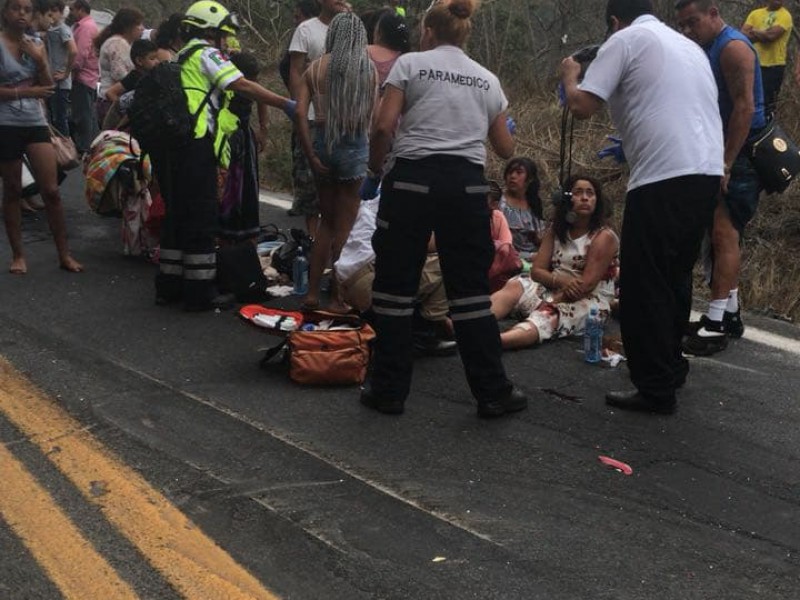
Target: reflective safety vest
x=196 y=85
x=227 y=123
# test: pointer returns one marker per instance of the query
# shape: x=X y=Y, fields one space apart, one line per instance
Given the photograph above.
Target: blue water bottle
x=593 y=336
x=300 y=273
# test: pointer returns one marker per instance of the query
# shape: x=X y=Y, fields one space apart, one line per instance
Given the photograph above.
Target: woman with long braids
x=342 y=84
x=449 y=105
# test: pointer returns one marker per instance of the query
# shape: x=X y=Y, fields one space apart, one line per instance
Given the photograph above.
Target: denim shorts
x=348 y=157
x=744 y=189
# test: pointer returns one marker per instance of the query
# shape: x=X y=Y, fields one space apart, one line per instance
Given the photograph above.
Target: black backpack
x=283 y=257
x=159 y=113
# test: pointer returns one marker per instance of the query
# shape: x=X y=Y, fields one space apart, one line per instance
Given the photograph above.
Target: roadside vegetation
x=523 y=41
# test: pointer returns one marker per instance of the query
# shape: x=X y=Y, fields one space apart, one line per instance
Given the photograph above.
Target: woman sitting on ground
x=574 y=269
x=522 y=206
x=506 y=263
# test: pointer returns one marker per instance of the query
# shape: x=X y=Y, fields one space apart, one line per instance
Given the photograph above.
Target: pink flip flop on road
x=620 y=466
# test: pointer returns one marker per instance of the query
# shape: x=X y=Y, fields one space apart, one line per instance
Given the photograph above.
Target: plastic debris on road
x=280 y=291
x=612 y=358
x=620 y=466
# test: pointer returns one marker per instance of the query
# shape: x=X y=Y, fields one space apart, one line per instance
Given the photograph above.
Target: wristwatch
x=373 y=174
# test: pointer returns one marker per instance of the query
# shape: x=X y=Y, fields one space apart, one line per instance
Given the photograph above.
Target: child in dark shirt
x=144 y=55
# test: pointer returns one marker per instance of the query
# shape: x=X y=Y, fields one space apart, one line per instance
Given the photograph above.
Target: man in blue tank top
x=736 y=69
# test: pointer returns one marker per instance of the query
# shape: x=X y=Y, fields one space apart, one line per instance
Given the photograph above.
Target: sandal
x=309 y=306
x=32 y=204
x=341 y=310
x=26 y=207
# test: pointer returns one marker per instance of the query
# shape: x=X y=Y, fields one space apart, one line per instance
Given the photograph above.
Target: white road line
x=759 y=336
x=726 y=365
x=286 y=438
x=753 y=334
x=279 y=201
x=766 y=338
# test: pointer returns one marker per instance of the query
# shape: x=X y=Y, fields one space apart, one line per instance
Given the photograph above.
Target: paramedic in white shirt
x=662 y=98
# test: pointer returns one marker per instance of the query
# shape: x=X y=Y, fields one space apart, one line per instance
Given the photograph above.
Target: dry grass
x=770 y=275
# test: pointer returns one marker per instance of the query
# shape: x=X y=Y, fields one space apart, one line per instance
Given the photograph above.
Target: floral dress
x=115 y=62
x=566 y=318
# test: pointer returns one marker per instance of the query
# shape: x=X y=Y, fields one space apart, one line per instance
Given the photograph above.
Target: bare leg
x=321 y=250
x=519 y=337
x=11 y=172
x=506 y=298
x=312 y=224
x=727 y=257
x=43 y=167
x=345 y=211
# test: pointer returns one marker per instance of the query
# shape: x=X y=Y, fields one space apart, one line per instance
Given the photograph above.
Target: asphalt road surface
x=144 y=454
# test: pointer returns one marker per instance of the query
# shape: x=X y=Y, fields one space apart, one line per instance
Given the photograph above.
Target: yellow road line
x=173 y=545
x=53 y=540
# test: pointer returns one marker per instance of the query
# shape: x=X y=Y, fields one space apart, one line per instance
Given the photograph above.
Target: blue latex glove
x=562 y=95
x=511 y=124
x=290 y=108
x=615 y=150
x=369 y=188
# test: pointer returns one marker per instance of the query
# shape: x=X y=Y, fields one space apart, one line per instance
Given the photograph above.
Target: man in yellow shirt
x=769 y=29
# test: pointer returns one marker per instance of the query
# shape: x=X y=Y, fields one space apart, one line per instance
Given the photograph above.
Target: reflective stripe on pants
x=445 y=195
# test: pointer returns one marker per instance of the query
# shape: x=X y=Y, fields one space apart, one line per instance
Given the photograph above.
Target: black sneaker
x=732 y=322
x=218 y=302
x=708 y=339
x=691 y=327
x=430 y=345
x=635 y=401
x=387 y=406
x=514 y=402
x=165 y=300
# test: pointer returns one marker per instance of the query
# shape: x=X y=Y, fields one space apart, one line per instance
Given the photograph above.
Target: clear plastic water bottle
x=593 y=336
x=300 y=273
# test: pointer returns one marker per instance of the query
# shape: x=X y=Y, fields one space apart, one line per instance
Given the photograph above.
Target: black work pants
x=771 y=80
x=187 y=179
x=445 y=195
x=663 y=225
